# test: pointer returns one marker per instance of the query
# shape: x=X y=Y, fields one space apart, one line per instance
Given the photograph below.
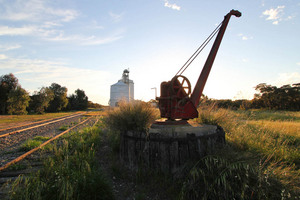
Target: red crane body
x=176 y=100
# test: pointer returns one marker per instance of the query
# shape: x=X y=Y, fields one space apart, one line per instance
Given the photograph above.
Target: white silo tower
x=122 y=90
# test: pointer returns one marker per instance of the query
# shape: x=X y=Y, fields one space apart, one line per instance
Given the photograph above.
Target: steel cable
x=199 y=50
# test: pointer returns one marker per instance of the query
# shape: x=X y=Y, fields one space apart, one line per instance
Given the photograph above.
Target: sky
x=87 y=44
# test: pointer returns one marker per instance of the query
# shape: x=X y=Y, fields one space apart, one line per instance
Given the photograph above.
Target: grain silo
x=122 y=90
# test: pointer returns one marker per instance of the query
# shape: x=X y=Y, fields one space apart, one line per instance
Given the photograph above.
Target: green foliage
x=33 y=143
x=93 y=105
x=17 y=166
x=78 y=101
x=63 y=128
x=270 y=97
x=41 y=100
x=17 y=101
x=60 y=100
x=284 y=98
x=8 y=82
x=134 y=116
x=72 y=173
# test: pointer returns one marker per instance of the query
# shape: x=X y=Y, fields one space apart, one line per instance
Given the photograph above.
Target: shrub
x=134 y=116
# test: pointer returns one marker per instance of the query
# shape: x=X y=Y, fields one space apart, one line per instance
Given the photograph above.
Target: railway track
x=11 y=154
x=17 y=129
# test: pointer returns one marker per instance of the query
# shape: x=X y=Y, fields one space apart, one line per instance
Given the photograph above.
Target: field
x=266 y=140
x=261 y=160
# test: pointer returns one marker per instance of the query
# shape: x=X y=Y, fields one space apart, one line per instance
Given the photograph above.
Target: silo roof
x=119 y=83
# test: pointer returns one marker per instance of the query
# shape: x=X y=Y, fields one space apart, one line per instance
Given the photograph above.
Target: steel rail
x=32 y=127
x=18 y=159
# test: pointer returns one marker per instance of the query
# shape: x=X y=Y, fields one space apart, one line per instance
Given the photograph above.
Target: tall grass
x=133 y=116
x=271 y=155
x=72 y=173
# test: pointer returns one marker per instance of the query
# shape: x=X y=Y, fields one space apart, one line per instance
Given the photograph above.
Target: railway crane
x=176 y=100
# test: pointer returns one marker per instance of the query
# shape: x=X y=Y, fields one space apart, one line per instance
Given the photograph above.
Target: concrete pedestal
x=169 y=147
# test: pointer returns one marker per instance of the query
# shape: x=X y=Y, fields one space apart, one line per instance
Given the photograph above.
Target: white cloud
x=85 y=40
x=35 y=10
x=9 y=47
x=172 y=6
x=25 y=30
x=50 y=24
x=274 y=15
x=95 y=25
x=47 y=23
x=116 y=17
x=244 y=37
x=59 y=35
x=2 y=57
x=298 y=63
x=287 y=78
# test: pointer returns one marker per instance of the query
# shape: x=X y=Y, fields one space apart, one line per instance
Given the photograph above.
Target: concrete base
x=169 y=147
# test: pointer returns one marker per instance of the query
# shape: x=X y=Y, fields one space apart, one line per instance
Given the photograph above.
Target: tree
x=286 y=97
x=79 y=101
x=41 y=100
x=8 y=82
x=94 y=105
x=60 y=100
x=17 y=101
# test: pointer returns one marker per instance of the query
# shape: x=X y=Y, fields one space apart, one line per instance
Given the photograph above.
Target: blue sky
x=87 y=44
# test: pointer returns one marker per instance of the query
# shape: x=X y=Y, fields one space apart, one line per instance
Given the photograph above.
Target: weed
x=63 y=128
x=72 y=173
x=33 y=143
x=17 y=166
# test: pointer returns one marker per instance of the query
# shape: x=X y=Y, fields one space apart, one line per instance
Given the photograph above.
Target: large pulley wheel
x=181 y=86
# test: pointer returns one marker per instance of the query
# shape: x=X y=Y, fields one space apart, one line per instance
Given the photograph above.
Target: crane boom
x=197 y=92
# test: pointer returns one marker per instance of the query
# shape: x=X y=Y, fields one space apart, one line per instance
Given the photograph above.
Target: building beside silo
x=122 y=90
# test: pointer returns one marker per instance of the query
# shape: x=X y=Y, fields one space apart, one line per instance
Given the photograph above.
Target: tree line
x=16 y=100
x=286 y=97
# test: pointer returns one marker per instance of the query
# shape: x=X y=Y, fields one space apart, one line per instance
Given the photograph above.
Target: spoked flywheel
x=181 y=86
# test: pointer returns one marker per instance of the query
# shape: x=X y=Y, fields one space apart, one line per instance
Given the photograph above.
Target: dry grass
x=270 y=136
x=290 y=128
x=133 y=116
x=7 y=121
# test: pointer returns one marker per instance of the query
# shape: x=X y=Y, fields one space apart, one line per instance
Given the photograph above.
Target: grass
x=270 y=115
x=289 y=128
x=33 y=143
x=72 y=173
x=268 y=142
x=133 y=116
x=63 y=128
x=13 y=120
x=259 y=161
